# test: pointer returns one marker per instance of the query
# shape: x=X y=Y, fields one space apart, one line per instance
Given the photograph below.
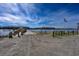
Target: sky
x=60 y=15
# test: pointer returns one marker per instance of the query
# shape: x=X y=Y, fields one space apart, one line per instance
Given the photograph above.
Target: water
x=50 y=30
x=4 y=32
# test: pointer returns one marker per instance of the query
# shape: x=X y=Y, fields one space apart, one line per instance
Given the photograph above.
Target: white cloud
x=21 y=18
x=13 y=19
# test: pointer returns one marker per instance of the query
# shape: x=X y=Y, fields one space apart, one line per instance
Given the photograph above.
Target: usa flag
x=65 y=20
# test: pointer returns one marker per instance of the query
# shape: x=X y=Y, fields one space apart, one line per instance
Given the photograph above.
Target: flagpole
x=65 y=22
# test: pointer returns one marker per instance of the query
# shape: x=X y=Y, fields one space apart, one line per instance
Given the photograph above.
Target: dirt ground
x=40 y=45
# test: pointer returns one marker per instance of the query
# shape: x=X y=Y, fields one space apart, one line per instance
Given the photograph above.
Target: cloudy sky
x=38 y=15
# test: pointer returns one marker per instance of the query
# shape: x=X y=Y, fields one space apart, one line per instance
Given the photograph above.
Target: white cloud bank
x=14 y=14
x=20 y=15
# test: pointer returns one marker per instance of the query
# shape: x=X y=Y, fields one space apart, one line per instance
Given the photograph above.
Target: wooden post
x=61 y=33
x=68 y=32
x=73 y=32
x=53 y=34
x=77 y=32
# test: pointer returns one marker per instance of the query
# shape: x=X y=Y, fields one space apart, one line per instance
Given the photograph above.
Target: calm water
x=50 y=30
x=4 y=32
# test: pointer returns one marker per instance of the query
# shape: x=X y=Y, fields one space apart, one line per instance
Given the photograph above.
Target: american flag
x=65 y=20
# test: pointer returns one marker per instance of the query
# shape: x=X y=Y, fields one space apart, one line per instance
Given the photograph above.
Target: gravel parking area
x=40 y=45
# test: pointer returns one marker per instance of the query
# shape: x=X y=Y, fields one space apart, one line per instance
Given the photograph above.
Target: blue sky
x=40 y=14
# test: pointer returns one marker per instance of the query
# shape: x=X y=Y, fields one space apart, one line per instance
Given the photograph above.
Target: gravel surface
x=39 y=45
